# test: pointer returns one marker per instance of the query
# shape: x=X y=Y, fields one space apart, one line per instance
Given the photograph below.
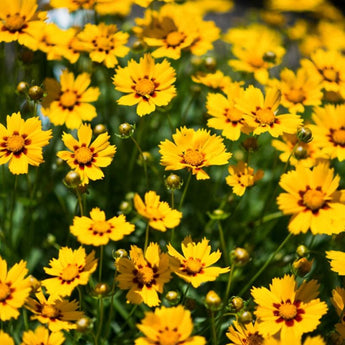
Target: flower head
x=21 y=143
x=168 y=326
x=286 y=310
x=97 y=231
x=144 y=275
x=244 y=334
x=72 y=268
x=68 y=102
x=42 y=336
x=337 y=261
x=194 y=265
x=158 y=213
x=14 y=289
x=313 y=200
x=5 y=339
x=148 y=84
x=193 y=150
x=87 y=157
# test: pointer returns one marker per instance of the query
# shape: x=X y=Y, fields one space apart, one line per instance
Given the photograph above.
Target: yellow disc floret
x=313 y=199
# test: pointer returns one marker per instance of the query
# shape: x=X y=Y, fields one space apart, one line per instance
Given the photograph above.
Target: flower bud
x=302 y=251
x=129 y=196
x=138 y=46
x=236 y=303
x=99 y=129
x=145 y=157
x=101 y=289
x=72 y=179
x=120 y=253
x=270 y=56
x=305 y=134
x=34 y=283
x=212 y=300
x=245 y=317
x=300 y=152
x=239 y=155
x=126 y=130
x=218 y=214
x=196 y=61
x=22 y=86
x=125 y=207
x=195 y=89
x=173 y=297
x=173 y=182
x=35 y=92
x=83 y=324
x=50 y=240
x=302 y=266
x=210 y=63
x=240 y=256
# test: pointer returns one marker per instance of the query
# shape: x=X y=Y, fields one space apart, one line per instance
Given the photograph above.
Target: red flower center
x=5 y=291
x=15 y=143
x=288 y=312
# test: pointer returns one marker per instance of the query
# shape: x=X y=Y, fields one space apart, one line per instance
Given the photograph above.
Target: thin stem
x=101 y=252
x=172 y=235
x=265 y=265
x=213 y=329
x=129 y=317
x=146 y=237
x=10 y=232
x=185 y=112
x=143 y=159
x=223 y=243
x=185 y=191
x=80 y=202
x=111 y=305
x=100 y=317
x=185 y=294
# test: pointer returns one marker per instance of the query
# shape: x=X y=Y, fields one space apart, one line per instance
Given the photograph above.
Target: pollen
x=313 y=199
x=193 y=265
x=83 y=155
x=175 y=38
x=265 y=116
x=15 y=143
x=50 y=311
x=5 y=291
x=70 y=272
x=338 y=136
x=144 y=87
x=287 y=311
x=14 y=22
x=193 y=157
x=145 y=275
x=68 y=99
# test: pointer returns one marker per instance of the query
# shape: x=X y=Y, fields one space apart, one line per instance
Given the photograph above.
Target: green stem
x=13 y=202
x=100 y=317
x=127 y=321
x=101 y=252
x=213 y=329
x=263 y=267
x=268 y=218
x=143 y=160
x=222 y=243
x=185 y=294
x=185 y=191
x=111 y=306
x=80 y=202
x=172 y=235
x=146 y=237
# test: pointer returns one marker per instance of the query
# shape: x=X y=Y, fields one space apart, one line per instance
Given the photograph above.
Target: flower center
x=104 y=43
x=69 y=273
x=15 y=22
x=175 y=38
x=50 y=311
x=313 y=199
x=256 y=61
x=193 y=157
x=265 y=116
x=83 y=155
x=338 y=136
x=234 y=115
x=68 y=99
x=100 y=226
x=330 y=74
x=15 y=143
x=168 y=337
x=5 y=291
x=255 y=339
x=287 y=311
x=145 y=275
x=193 y=265
x=144 y=87
x=295 y=96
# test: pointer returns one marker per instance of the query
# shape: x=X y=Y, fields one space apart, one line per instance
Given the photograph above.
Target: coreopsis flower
x=119 y=7
x=21 y=143
x=144 y=274
x=148 y=84
x=58 y=314
x=337 y=261
x=297 y=152
x=86 y=157
x=72 y=5
x=241 y=177
x=329 y=65
x=193 y=150
x=194 y=266
x=287 y=311
x=216 y=80
x=104 y=43
x=295 y=5
x=5 y=339
x=299 y=90
x=72 y=268
x=16 y=20
x=308 y=341
x=224 y=115
x=97 y=231
x=68 y=101
x=244 y=334
x=313 y=200
x=159 y=214
x=260 y=112
x=14 y=289
x=42 y=336
x=168 y=326
x=338 y=298
x=329 y=131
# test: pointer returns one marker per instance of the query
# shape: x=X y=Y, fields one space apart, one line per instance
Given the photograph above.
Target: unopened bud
x=120 y=253
x=22 y=86
x=300 y=152
x=210 y=63
x=35 y=284
x=125 y=207
x=173 y=297
x=302 y=251
x=102 y=289
x=145 y=157
x=35 y=92
x=302 y=266
x=270 y=56
x=99 y=129
x=236 y=303
x=173 y=182
x=72 y=179
x=196 y=61
x=138 y=46
x=83 y=324
x=212 y=300
x=305 y=134
x=240 y=256
x=50 y=240
x=245 y=317
x=126 y=130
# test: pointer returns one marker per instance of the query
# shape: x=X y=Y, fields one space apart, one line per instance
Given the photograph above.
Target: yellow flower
x=148 y=84
x=244 y=334
x=73 y=5
x=68 y=102
x=308 y=341
x=224 y=115
x=5 y=339
x=59 y=314
x=194 y=265
x=21 y=143
x=168 y=326
x=43 y=337
x=338 y=294
x=313 y=200
x=259 y=112
x=144 y=275
x=72 y=268
x=97 y=231
x=119 y=7
x=337 y=261
x=216 y=80
x=193 y=150
x=286 y=310
x=241 y=176
x=104 y=43
x=87 y=158
x=329 y=131
x=158 y=213
x=295 y=5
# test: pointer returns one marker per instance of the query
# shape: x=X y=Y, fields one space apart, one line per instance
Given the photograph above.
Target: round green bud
x=305 y=134
x=173 y=182
x=72 y=179
x=99 y=129
x=35 y=92
x=22 y=86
